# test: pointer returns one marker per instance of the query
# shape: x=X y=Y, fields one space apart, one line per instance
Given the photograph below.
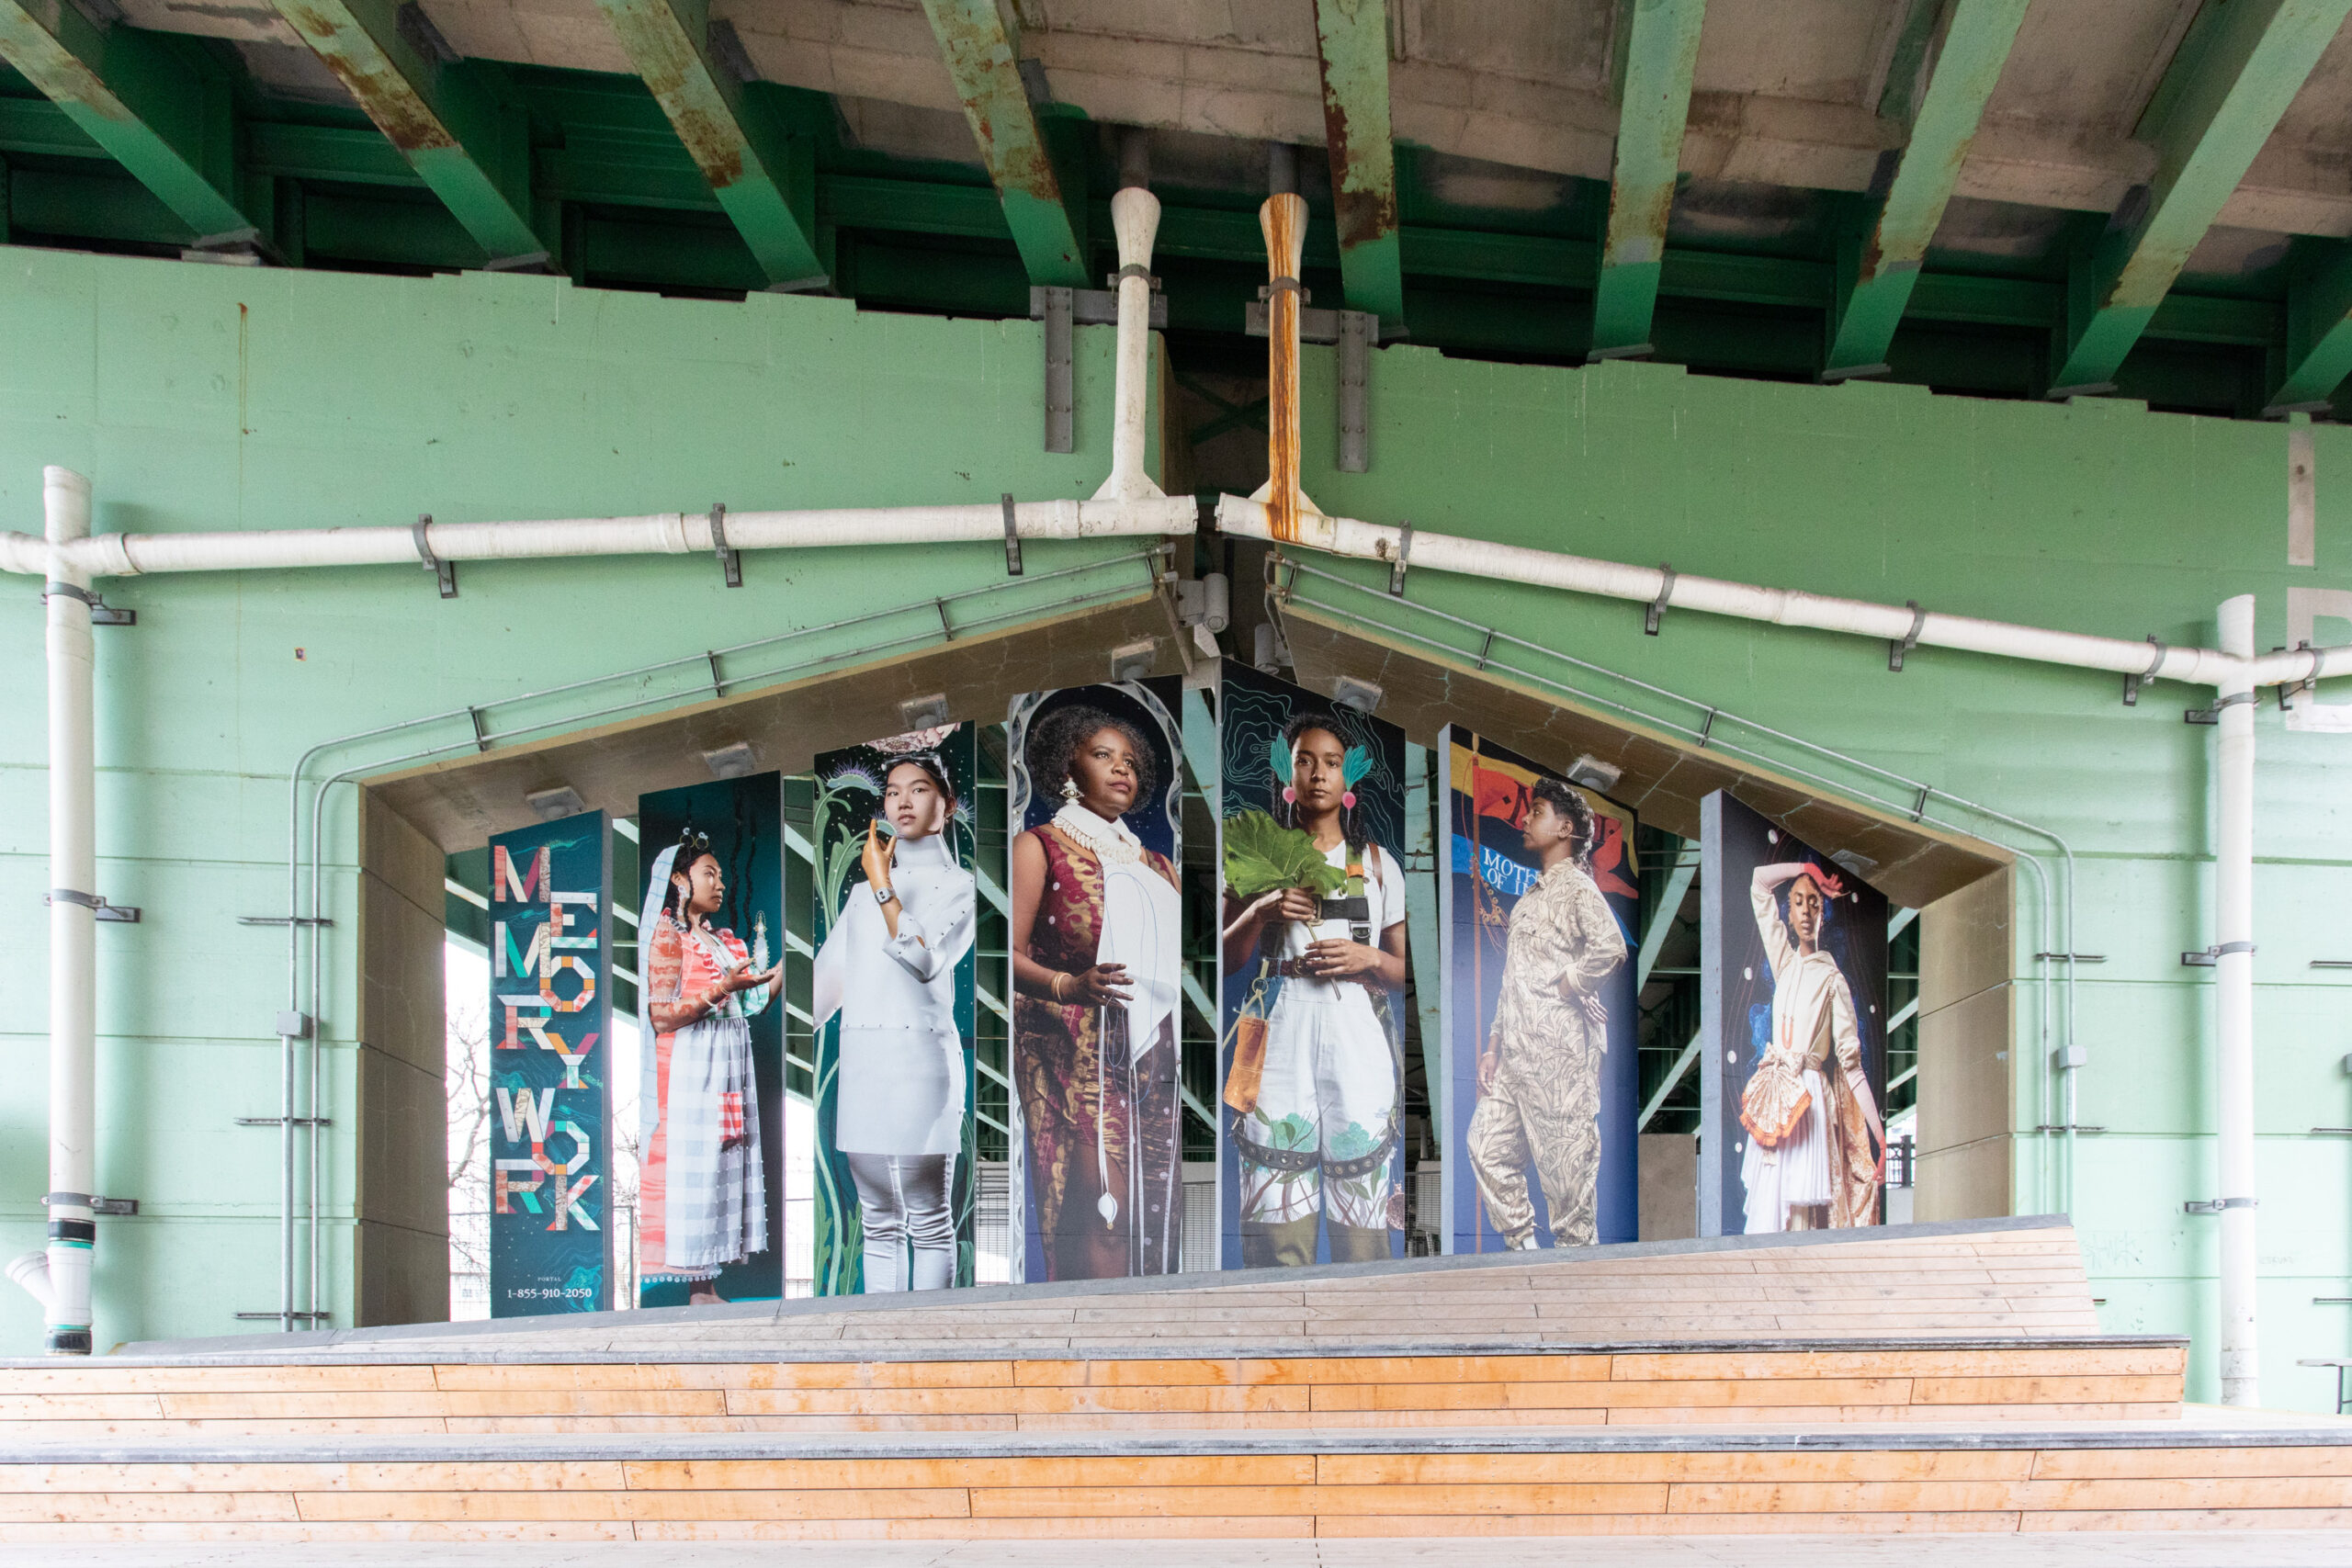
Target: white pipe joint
x=72 y=925
x=1135 y=217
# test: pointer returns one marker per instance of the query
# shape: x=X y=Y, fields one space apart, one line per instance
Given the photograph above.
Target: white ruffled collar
x=1113 y=842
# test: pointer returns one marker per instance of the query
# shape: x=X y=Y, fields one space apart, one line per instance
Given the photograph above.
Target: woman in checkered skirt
x=702 y=1171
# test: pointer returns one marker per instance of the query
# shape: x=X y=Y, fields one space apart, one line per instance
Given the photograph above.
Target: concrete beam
x=1352 y=47
x=987 y=76
x=764 y=180
x=2319 y=329
x=2236 y=72
x=469 y=146
x=135 y=95
x=1658 y=50
x=1959 y=72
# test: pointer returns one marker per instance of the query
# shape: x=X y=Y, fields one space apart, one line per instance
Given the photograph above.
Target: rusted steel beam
x=133 y=93
x=1960 y=69
x=447 y=118
x=1656 y=54
x=2236 y=72
x=986 y=75
x=1352 y=36
x=1283 y=220
x=750 y=163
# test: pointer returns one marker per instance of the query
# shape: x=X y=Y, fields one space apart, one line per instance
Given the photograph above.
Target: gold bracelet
x=1057 y=989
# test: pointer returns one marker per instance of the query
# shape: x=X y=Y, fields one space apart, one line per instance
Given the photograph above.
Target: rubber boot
x=1288 y=1244
x=1360 y=1244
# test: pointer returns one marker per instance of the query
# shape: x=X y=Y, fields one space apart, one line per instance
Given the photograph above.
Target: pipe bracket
x=1895 y=650
x=2132 y=683
x=96 y=1205
x=1656 y=611
x=1404 y=558
x=120 y=914
x=1133 y=269
x=1012 y=539
x=2217 y=1205
x=730 y=561
x=2213 y=713
x=2214 y=955
x=101 y=613
x=445 y=572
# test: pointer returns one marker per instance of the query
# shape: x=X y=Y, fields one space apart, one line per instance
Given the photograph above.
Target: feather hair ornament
x=1280 y=752
x=1359 y=763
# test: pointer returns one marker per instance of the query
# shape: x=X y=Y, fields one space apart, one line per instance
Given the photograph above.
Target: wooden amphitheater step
x=2207 y=1471
x=1963 y=1280
x=1845 y=1381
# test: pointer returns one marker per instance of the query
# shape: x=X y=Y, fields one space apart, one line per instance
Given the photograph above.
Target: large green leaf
x=1261 y=855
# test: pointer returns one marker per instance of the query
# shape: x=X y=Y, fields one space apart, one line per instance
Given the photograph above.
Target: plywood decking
x=1791 y=1481
x=1936 y=1378
x=2085 y=1381
x=1968 y=1280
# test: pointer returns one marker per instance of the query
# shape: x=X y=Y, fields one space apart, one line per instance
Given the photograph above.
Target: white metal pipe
x=2234 y=976
x=1135 y=217
x=72 y=922
x=660 y=532
x=1778 y=606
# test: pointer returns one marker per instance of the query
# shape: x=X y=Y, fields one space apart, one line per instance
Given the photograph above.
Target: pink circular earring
x=1290 y=796
x=1348 y=800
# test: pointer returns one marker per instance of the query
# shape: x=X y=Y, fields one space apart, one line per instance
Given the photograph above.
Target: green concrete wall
x=211 y=398
x=214 y=398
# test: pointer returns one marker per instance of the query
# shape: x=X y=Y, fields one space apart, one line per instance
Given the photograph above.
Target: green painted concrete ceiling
x=1996 y=197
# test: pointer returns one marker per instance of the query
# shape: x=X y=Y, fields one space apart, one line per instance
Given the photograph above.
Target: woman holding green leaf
x=1317 y=911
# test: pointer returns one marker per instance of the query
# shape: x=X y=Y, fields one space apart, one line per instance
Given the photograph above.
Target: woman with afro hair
x=1097 y=950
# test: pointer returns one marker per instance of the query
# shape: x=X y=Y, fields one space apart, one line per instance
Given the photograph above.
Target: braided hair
x=1054 y=742
x=1287 y=811
x=1571 y=805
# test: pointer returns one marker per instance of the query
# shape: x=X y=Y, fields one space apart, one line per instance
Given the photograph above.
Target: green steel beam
x=986 y=75
x=144 y=100
x=2238 y=69
x=2319 y=331
x=471 y=146
x=1352 y=36
x=1658 y=50
x=1976 y=39
x=763 y=179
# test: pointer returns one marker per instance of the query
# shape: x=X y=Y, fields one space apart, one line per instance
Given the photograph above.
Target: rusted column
x=1283 y=219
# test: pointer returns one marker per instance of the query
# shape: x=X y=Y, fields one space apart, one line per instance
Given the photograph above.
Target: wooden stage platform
x=1940 y=1378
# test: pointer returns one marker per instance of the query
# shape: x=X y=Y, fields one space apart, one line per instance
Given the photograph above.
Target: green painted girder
x=143 y=100
x=1353 y=39
x=2319 y=329
x=1658 y=50
x=2238 y=69
x=465 y=141
x=987 y=77
x=764 y=180
x=1976 y=40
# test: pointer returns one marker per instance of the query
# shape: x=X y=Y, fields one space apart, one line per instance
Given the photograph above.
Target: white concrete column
x=2234 y=971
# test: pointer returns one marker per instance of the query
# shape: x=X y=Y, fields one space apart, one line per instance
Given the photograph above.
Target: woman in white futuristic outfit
x=889 y=967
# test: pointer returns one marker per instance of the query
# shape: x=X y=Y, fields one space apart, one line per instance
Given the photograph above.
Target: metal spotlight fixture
x=924 y=713
x=1135 y=661
x=1360 y=695
x=553 y=804
x=734 y=762
x=1595 y=774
